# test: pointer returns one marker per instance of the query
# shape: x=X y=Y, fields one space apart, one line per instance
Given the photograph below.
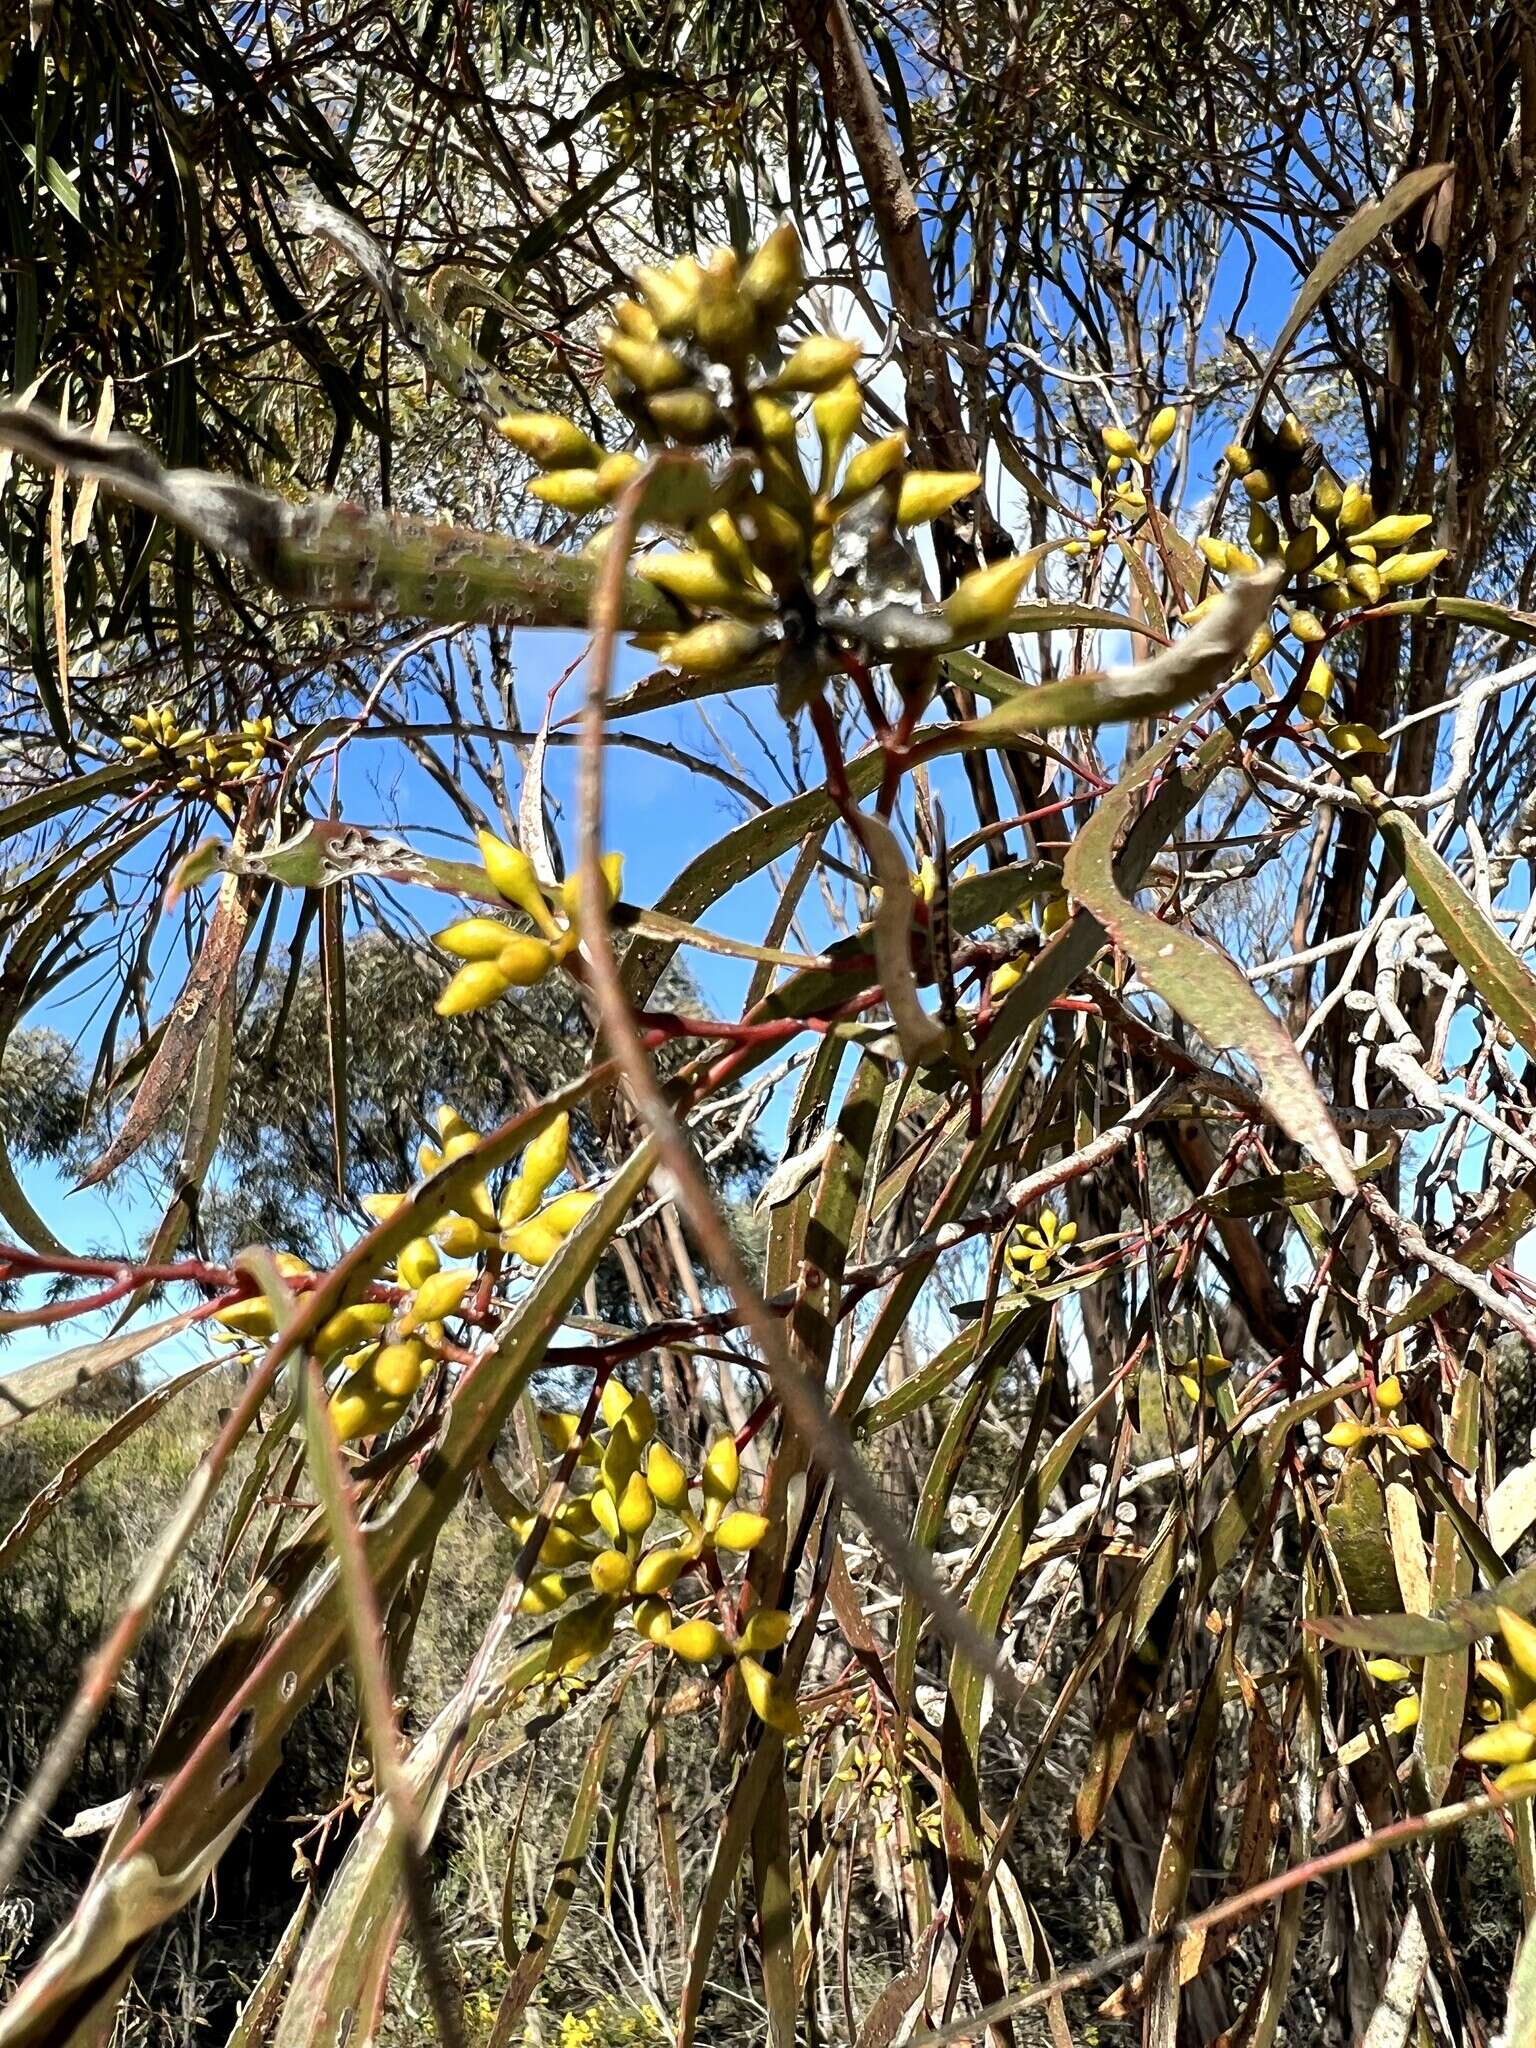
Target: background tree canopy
x=908 y=1417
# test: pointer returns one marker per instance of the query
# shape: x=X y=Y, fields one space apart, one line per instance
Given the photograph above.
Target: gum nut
x=637 y=1506
x=767 y=1629
x=659 y=1570
x=473 y=988
x=442 y=1293
x=610 y=1572
x=741 y=1531
x=668 y=1480
x=697 y=1642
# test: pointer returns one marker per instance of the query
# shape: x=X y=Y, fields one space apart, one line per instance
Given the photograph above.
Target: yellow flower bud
x=1346 y=1434
x=1356 y=511
x=696 y=1642
x=722 y=1470
x=697 y=580
x=1405 y=569
x=1393 y=530
x=770 y=1698
x=1355 y=738
x=1387 y=1670
x=650 y=366
x=724 y=320
x=611 y=866
x=442 y=1293
x=532 y=1242
x=773 y=279
x=577 y=491
x=637 y=1506
x=1389 y=1392
x=580 y=1636
x=659 y=1570
x=611 y=1572
x=1364 y=579
x=359 y=1408
x=837 y=412
x=638 y=1422
x=1008 y=976
x=1161 y=430
x=980 y=604
x=382 y=1207
x=1501 y=1745
x=672 y=302
x=1494 y=1675
x=1312 y=703
x=1259 y=485
x=1300 y=551
x=1119 y=443
x=767 y=1629
x=251 y=1317
x=689 y=416
x=653 y=1620
x=511 y=875
x=474 y=987
x=545 y=1156
x=869 y=467
x=820 y=361
x=714 y=649
x=1237 y=458
x=524 y=959
x=668 y=1480
x=1516 y=1777
x=398 y=1369
x=925 y=493
x=473 y=938
x=1307 y=627
x=461 y=1237
x=416 y=1262
x=518 y=1203
x=605 y=1510
x=553 y=442
x=1404 y=1715
x=634 y=319
x=1413 y=1436
x=544 y=1593
x=741 y=1531
x=350 y=1326
x=1215 y=551
x=1263 y=534
x=1520 y=1640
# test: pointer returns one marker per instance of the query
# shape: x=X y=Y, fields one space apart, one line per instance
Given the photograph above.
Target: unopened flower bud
x=926 y=493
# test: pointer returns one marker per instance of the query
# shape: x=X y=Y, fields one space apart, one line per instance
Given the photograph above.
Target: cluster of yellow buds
x=1053 y=912
x=1203 y=1376
x=518 y=1224
x=595 y=1543
x=205 y=760
x=1349 y=1432
x=780 y=569
x=1506 y=1703
x=1037 y=1247
x=385 y=1347
x=498 y=957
